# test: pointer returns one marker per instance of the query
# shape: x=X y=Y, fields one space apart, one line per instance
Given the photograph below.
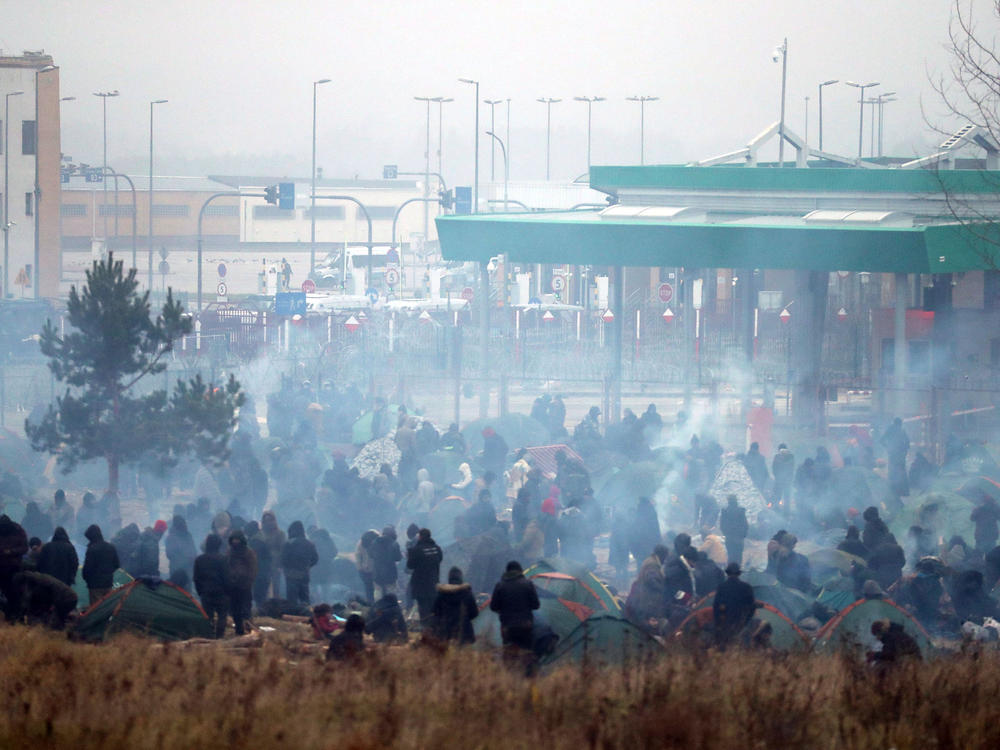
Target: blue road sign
x=463 y=200
x=290 y=303
x=286 y=195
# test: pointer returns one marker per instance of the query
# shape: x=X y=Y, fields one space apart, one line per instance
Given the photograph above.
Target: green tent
x=696 y=629
x=851 y=627
x=584 y=587
x=147 y=606
x=604 y=638
x=562 y=615
x=827 y=562
x=790 y=602
x=950 y=518
x=120 y=578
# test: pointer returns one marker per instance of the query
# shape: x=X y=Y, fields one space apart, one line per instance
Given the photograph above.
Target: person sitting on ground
x=852 y=543
x=897 y=644
x=349 y=643
x=387 y=623
x=454 y=610
x=324 y=626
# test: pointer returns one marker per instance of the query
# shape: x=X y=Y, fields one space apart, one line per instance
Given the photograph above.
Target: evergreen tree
x=111 y=346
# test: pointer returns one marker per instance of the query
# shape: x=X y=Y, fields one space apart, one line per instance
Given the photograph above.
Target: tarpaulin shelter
x=604 y=638
x=851 y=627
x=733 y=479
x=361 y=430
x=147 y=606
x=544 y=457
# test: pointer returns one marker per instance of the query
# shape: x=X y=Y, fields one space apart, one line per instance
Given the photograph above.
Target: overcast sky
x=239 y=77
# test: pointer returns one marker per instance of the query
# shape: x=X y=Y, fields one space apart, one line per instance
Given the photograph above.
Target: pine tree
x=111 y=346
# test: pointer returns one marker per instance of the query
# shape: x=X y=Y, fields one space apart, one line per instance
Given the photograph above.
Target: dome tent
x=147 y=606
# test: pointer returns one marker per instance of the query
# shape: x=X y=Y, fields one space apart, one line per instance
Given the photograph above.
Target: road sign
x=222 y=289
x=842 y=314
x=286 y=195
x=668 y=316
x=164 y=267
x=351 y=324
x=290 y=303
x=390 y=172
x=666 y=292
x=468 y=294
x=784 y=316
x=308 y=286
x=424 y=317
x=548 y=317
x=558 y=283
x=608 y=316
x=222 y=270
x=696 y=293
x=392 y=276
x=463 y=200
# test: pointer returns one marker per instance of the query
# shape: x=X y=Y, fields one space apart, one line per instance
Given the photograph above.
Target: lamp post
x=493 y=151
x=105 y=95
x=36 y=254
x=506 y=166
x=782 y=51
x=150 y=269
x=861 y=110
x=548 y=101
x=590 y=102
x=642 y=122
x=475 y=188
x=441 y=101
x=825 y=83
x=312 y=185
x=6 y=188
x=427 y=164
x=807 y=121
x=507 y=138
x=883 y=99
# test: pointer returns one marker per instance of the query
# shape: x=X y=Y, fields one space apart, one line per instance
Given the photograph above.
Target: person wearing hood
x=180 y=547
x=275 y=539
x=454 y=610
x=734 y=526
x=495 y=450
x=424 y=559
x=126 y=541
x=897 y=445
x=733 y=607
x=644 y=532
x=426 y=492
x=386 y=622
x=261 y=584
x=211 y=582
x=62 y=513
x=297 y=557
x=897 y=644
x=756 y=466
x=852 y=543
x=385 y=554
x=481 y=515
x=241 y=570
x=58 y=558
x=548 y=521
x=366 y=563
x=515 y=600
x=532 y=545
x=36 y=523
x=89 y=514
x=323 y=574
x=99 y=564
x=453 y=440
x=148 y=557
x=875 y=531
x=783 y=470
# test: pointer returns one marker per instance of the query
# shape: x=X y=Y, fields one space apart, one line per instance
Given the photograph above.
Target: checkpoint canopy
x=816 y=219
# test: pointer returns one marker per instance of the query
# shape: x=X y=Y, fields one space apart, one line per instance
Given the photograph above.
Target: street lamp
x=861 y=115
x=548 y=101
x=883 y=99
x=105 y=95
x=427 y=162
x=441 y=101
x=825 y=83
x=807 y=121
x=475 y=189
x=7 y=224
x=590 y=102
x=155 y=101
x=782 y=52
x=642 y=122
x=507 y=138
x=493 y=151
x=312 y=185
x=506 y=167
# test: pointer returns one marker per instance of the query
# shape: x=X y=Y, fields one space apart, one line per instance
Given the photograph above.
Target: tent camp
x=147 y=606
x=733 y=479
x=561 y=615
x=604 y=638
x=790 y=602
x=583 y=586
x=482 y=559
x=696 y=629
x=851 y=627
x=120 y=578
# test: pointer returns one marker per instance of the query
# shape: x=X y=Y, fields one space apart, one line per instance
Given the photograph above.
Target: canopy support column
x=618 y=308
x=899 y=345
x=484 y=339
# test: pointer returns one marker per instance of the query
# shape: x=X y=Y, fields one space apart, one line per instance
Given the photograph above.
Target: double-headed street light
x=548 y=101
x=825 y=83
x=475 y=189
x=312 y=185
x=105 y=95
x=506 y=166
x=861 y=110
x=441 y=101
x=6 y=188
x=642 y=122
x=882 y=99
x=590 y=103
x=150 y=269
x=427 y=160
x=493 y=126
x=782 y=51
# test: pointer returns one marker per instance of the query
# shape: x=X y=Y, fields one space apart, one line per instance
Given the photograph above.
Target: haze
x=239 y=78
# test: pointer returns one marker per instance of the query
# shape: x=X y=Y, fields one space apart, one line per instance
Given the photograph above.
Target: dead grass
x=131 y=694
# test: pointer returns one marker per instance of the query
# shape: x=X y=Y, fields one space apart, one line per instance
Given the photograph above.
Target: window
x=124 y=209
x=28 y=145
x=222 y=210
x=326 y=212
x=73 y=209
x=272 y=212
x=29 y=204
x=169 y=209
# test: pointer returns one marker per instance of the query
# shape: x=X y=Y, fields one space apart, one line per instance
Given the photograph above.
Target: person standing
x=783 y=469
x=275 y=539
x=897 y=445
x=211 y=582
x=424 y=559
x=733 y=606
x=62 y=513
x=385 y=554
x=515 y=599
x=756 y=466
x=734 y=526
x=241 y=571
x=99 y=564
x=297 y=557
x=180 y=548
x=58 y=558
x=455 y=609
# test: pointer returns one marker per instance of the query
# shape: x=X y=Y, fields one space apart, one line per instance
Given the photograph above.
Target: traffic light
x=271 y=194
x=446 y=198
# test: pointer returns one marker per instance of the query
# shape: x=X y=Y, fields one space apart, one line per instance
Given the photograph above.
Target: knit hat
x=160 y=527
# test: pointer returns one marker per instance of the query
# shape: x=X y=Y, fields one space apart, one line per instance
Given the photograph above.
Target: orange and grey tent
x=147 y=606
x=785 y=634
x=571 y=580
x=851 y=627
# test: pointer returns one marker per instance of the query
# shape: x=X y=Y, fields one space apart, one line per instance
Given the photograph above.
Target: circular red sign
x=467 y=293
x=308 y=286
x=666 y=292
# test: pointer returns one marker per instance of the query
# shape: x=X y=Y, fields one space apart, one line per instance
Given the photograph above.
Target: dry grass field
x=133 y=694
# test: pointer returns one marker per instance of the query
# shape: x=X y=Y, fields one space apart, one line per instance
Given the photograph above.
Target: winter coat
x=273 y=537
x=514 y=599
x=424 y=559
x=385 y=554
x=649 y=591
x=241 y=563
x=886 y=563
x=211 y=575
x=326 y=550
x=733 y=523
x=298 y=554
x=62 y=514
x=875 y=533
x=148 y=556
x=100 y=562
x=386 y=622
x=532 y=545
x=794 y=570
x=733 y=606
x=454 y=610
x=180 y=548
x=58 y=558
x=645 y=531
